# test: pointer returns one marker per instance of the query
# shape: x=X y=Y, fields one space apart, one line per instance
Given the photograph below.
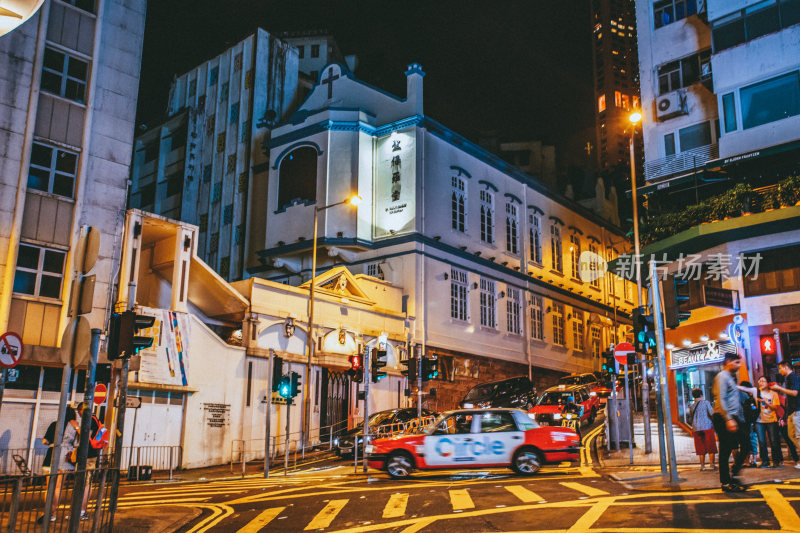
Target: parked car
x=587 y=380
x=549 y=407
x=603 y=388
x=475 y=438
x=513 y=392
x=389 y=421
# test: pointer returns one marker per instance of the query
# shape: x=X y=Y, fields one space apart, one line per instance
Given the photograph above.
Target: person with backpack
x=729 y=423
x=700 y=414
x=98 y=438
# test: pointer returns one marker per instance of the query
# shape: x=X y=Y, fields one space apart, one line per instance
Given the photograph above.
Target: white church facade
x=487 y=257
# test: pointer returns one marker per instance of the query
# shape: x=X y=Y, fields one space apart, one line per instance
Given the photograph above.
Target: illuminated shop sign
x=701 y=354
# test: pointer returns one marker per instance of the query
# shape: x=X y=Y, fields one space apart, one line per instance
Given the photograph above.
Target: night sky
x=521 y=68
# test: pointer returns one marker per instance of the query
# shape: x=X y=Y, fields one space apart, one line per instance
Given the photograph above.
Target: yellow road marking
x=162 y=502
x=525 y=495
x=591 y=516
x=782 y=509
x=218 y=513
x=261 y=520
x=416 y=527
x=586 y=489
x=327 y=514
x=396 y=506
x=459 y=499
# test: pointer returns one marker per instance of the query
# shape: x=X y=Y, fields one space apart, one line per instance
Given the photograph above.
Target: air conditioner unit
x=670 y=105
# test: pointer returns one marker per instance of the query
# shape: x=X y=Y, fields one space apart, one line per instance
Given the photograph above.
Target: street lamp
x=354 y=200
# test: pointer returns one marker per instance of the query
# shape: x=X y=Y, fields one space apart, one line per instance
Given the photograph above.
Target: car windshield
x=379 y=419
x=570 y=380
x=555 y=398
x=482 y=392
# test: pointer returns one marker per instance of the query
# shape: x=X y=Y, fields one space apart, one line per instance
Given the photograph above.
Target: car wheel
x=399 y=465
x=526 y=462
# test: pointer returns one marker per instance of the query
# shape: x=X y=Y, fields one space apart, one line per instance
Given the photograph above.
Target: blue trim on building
x=415 y=68
x=460 y=171
x=513 y=198
x=536 y=209
x=293 y=147
x=489 y=185
x=428 y=242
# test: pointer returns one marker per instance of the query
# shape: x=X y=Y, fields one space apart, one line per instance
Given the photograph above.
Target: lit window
x=39 y=272
x=577 y=330
x=535 y=237
x=617 y=98
x=556 y=259
x=512 y=229
x=537 y=317
x=558 y=324
x=575 y=255
x=601 y=103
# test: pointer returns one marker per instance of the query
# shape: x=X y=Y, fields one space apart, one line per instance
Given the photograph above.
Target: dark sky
x=521 y=68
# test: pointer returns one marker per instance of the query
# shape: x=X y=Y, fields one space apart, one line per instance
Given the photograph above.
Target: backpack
x=99 y=438
x=750 y=408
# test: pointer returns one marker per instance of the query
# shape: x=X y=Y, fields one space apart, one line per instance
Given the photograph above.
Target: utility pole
x=270 y=378
x=418 y=350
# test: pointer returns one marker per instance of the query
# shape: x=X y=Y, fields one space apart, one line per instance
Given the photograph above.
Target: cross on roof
x=329 y=80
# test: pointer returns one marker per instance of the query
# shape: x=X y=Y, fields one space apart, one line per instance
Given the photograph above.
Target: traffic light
x=295 y=386
x=122 y=339
x=277 y=373
x=356 y=368
x=608 y=361
x=410 y=370
x=285 y=387
x=675 y=295
x=378 y=362
x=644 y=331
x=430 y=368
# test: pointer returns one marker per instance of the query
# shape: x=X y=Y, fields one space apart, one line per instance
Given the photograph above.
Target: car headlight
x=336 y=441
x=369 y=448
x=556 y=416
x=360 y=440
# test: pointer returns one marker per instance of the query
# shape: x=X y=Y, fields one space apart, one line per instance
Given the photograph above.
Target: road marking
x=261 y=520
x=459 y=499
x=327 y=514
x=782 y=509
x=591 y=516
x=586 y=489
x=396 y=506
x=525 y=495
x=416 y=527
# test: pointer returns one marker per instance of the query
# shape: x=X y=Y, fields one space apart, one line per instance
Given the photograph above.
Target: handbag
x=72 y=457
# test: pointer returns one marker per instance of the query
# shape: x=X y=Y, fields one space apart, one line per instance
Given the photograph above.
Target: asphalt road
x=328 y=496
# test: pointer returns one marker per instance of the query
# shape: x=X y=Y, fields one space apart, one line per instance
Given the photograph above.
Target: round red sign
x=621 y=352
x=100 y=393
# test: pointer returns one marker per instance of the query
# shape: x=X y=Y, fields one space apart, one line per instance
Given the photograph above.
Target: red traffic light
x=355 y=362
x=768 y=344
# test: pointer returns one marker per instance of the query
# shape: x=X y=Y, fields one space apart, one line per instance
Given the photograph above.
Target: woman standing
x=69 y=442
x=767 y=424
x=703 y=429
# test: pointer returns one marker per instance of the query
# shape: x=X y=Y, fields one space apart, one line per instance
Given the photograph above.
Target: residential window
x=556 y=255
x=575 y=255
x=64 y=75
x=223 y=92
x=512 y=310
x=558 y=324
x=192 y=88
x=374 y=270
x=729 y=112
x=617 y=98
x=754 y=21
x=86 y=5
x=777 y=271
x=577 y=330
x=537 y=317
x=695 y=136
x=174 y=184
x=684 y=72
x=52 y=170
x=770 y=100
x=204 y=223
x=227 y=216
x=597 y=341
x=234 y=113
x=314 y=50
x=458 y=203
x=237 y=62
x=601 y=103
x=301 y=52
x=512 y=229
x=225 y=267
x=39 y=272
x=213 y=74
x=231 y=163
x=488 y=303
x=669 y=11
x=596 y=281
x=669 y=144
x=535 y=238
x=458 y=294
x=207 y=174
x=217 y=192
x=487 y=217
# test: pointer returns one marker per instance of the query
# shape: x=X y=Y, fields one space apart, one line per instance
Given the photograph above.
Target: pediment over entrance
x=340 y=282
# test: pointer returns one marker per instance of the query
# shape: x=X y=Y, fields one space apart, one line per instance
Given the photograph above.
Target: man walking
x=729 y=423
x=790 y=389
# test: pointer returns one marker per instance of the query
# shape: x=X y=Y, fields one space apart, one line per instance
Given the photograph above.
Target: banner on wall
x=166 y=362
x=395 y=183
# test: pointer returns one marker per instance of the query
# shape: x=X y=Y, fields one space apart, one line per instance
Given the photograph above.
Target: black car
x=513 y=392
x=389 y=421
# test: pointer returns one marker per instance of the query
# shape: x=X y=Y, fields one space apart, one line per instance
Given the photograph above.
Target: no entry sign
x=621 y=352
x=10 y=349
x=100 y=393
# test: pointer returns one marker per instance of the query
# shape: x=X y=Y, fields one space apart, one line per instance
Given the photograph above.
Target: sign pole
x=268 y=399
x=66 y=378
x=367 y=380
x=286 y=439
x=630 y=414
x=3 y=379
x=418 y=362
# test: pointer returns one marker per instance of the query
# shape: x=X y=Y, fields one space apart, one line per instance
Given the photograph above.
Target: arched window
x=458 y=213
x=297 y=181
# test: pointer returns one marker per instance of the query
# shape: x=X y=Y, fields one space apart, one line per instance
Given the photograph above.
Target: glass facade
x=694 y=377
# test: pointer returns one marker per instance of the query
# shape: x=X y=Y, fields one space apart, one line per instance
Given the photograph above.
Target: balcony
x=680 y=163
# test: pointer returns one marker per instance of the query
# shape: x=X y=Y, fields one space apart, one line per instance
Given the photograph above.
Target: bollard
x=170 y=463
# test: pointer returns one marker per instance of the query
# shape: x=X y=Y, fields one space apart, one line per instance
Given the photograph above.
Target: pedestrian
x=69 y=443
x=705 y=442
x=767 y=424
x=747 y=395
x=91 y=458
x=729 y=423
x=790 y=388
x=49 y=441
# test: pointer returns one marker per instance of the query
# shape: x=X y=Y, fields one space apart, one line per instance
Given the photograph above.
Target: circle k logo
x=445 y=448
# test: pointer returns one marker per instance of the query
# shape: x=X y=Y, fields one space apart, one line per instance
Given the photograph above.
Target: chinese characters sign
x=395 y=183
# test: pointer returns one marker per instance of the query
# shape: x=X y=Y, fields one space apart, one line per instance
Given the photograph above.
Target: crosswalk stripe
x=327 y=514
x=261 y=520
x=459 y=499
x=525 y=495
x=586 y=489
x=396 y=506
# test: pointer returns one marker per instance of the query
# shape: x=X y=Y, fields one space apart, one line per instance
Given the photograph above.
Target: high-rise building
x=206 y=162
x=616 y=81
x=70 y=79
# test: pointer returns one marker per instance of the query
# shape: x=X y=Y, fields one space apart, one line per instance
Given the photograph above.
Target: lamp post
x=354 y=201
x=635 y=118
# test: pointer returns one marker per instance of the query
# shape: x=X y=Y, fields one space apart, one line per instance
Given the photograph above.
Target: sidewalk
x=645 y=472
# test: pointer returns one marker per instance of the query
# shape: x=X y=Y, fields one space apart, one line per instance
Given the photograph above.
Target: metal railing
x=682 y=162
x=9 y=457
x=22 y=502
x=160 y=458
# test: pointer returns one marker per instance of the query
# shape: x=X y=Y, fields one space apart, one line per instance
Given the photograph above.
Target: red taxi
x=475 y=438
x=549 y=408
